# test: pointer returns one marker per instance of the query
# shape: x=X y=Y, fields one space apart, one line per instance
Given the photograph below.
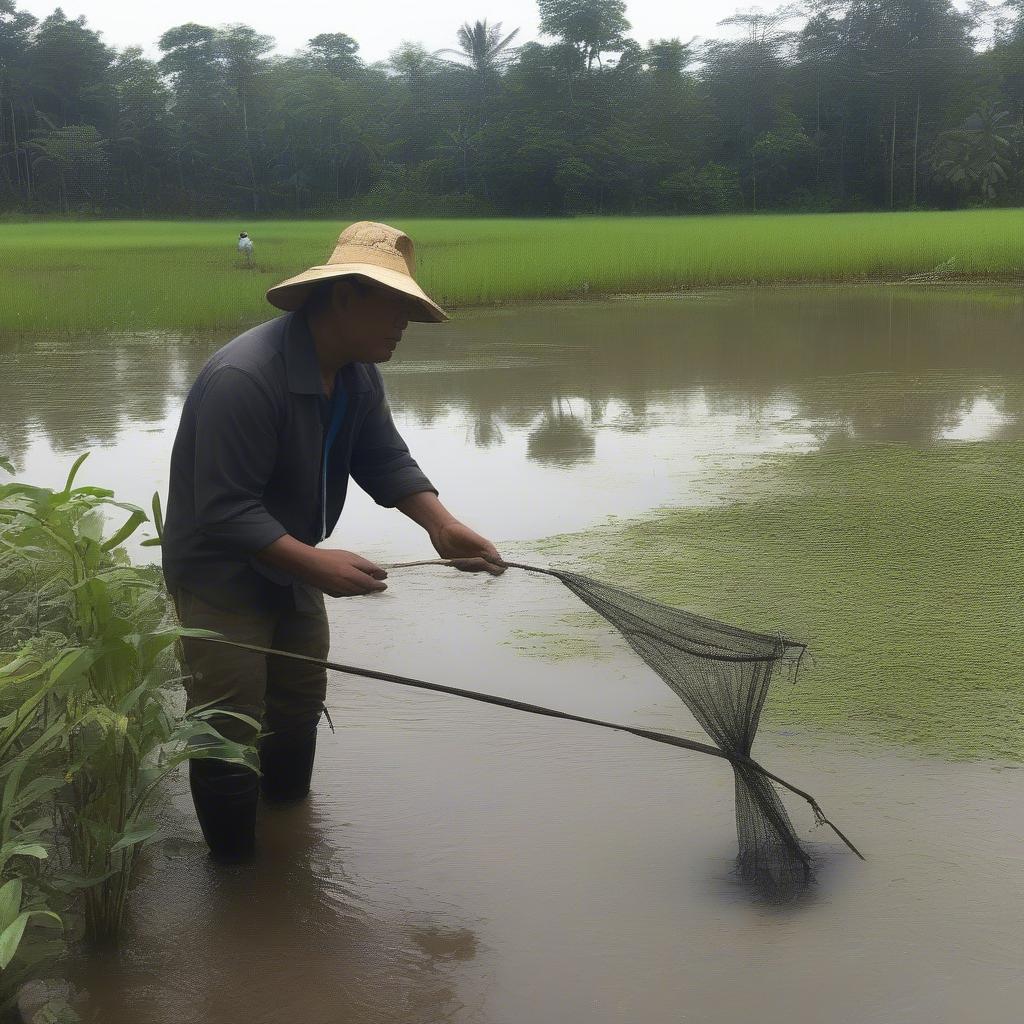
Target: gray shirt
x=246 y=465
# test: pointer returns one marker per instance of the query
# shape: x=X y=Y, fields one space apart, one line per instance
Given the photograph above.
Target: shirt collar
x=301 y=364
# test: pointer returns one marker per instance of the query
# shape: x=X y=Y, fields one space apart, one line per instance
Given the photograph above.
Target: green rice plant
x=27 y=943
x=185 y=275
x=21 y=954
x=27 y=742
x=95 y=639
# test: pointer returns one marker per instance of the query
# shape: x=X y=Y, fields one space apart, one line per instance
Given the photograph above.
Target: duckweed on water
x=902 y=568
x=576 y=641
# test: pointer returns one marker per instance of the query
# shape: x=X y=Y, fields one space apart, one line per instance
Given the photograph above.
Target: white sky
x=379 y=27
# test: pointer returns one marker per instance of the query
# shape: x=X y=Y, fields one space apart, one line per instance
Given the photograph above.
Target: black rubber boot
x=225 y=796
x=286 y=761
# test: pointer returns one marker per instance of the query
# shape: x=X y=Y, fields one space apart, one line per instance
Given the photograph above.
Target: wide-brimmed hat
x=370 y=250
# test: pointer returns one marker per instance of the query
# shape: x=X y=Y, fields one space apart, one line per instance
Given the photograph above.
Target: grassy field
x=152 y=275
x=902 y=568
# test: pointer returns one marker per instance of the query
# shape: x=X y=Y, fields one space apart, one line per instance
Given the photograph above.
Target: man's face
x=370 y=325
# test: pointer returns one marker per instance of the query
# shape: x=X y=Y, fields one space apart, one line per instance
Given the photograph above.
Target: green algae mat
x=901 y=568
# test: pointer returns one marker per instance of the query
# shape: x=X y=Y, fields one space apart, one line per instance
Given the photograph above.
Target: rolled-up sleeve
x=236 y=447
x=381 y=463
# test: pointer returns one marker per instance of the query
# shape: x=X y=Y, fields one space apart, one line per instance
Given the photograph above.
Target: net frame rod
x=535 y=709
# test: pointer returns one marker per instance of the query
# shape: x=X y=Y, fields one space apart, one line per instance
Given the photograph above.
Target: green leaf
x=10 y=939
x=153 y=542
x=158 y=515
x=130 y=699
x=37 y=789
x=26 y=850
x=148 y=645
x=204 y=712
x=8 y=467
x=195 y=631
x=16 y=502
x=72 y=663
x=245 y=760
x=38 y=494
x=90 y=526
x=224 y=712
x=10 y=901
x=49 y=739
x=74 y=472
x=69 y=881
x=10 y=802
x=88 y=497
x=12 y=666
x=139 y=835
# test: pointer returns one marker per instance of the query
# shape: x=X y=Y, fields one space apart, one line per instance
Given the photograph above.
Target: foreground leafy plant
x=88 y=713
x=25 y=907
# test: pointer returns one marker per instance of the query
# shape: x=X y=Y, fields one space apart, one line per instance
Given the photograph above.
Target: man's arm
x=337 y=573
x=381 y=463
x=451 y=538
x=383 y=467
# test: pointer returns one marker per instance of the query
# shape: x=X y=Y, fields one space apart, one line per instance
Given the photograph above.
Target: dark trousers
x=281 y=693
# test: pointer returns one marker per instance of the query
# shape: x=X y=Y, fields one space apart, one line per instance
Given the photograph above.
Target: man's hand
x=346 y=574
x=451 y=539
x=469 y=551
x=336 y=573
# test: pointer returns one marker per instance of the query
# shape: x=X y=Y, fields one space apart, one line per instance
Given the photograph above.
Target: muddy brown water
x=472 y=864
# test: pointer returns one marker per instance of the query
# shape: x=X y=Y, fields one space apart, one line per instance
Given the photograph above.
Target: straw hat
x=367 y=249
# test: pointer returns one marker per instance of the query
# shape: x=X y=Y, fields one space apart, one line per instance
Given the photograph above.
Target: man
x=272 y=429
x=245 y=247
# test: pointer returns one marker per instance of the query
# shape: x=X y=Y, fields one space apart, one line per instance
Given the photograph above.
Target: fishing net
x=722 y=674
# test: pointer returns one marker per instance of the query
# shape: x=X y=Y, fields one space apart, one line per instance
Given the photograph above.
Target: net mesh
x=722 y=674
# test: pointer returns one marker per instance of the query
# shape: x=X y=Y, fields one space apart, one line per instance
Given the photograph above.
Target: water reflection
x=79 y=391
x=982 y=420
x=561 y=438
x=610 y=408
x=873 y=364
x=870 y=364
x=287 y=937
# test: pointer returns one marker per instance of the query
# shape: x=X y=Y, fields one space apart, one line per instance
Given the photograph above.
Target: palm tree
x=979 y=154
x=482 y=46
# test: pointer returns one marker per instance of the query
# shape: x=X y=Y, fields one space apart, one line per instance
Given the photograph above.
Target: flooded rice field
x=841 y=464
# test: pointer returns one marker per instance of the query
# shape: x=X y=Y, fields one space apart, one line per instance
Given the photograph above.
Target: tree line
x=829 y=105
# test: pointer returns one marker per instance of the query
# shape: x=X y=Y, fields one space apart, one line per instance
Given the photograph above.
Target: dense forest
x=832 y=105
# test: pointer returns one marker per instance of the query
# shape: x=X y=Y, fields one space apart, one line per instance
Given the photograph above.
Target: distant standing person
x=273 y=428
x=245 y=247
